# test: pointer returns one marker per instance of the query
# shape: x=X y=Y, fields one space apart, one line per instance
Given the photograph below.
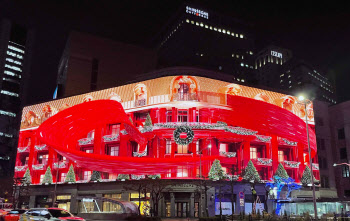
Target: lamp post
x=200 y=178
x=339 y=164
x=304 y=102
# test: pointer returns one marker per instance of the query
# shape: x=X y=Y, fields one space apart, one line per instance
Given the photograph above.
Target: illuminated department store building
x=93 y=132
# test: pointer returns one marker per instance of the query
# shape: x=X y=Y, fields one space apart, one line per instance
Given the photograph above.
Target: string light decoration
x=229 y=154
x=70 y=177
x=20 y=168
x=22 y=149
x=96 y=176
x=216 y=172
x=183 y=129
x=278 y=183
x=48 y=176
x=251 y=174
x=306 y=178
x=59 y=165
x=153 y=177
x=137 y=177
x=109 y=138
x=85 y=141
x=263 y=138
x=137 y=154
x=292 y=164
x=27 y=178
x=265 y=161
x=40 y=147
x=289 y=142
x=281 y=172
x=38 y=167
x=123 y=177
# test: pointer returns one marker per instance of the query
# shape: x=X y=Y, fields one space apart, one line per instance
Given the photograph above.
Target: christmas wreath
x=183 y=129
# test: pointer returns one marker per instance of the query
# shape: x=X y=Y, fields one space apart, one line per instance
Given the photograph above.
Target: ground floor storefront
x=179 y=198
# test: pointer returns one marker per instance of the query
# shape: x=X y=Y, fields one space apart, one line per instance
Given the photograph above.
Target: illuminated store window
x=112 y=207
x=168 y=146
x=87 y=175
x=253 y=153
x=42 y=158
x=168 y=174
x=182 y=116
x=280 y=156
x=182 y=171
x=63 y=177
x=42 y=177
x=112 y=176
x=182 y=149
x=345 y=171
x=169 y=116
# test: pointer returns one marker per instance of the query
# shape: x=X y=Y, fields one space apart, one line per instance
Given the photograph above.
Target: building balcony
x=60 y=165
x=111 y=138
x=141 y=102
x=262 y=162
x=315 y=166
x=86 y=141
x=41 y=147
x=21 y=168
x=185 y=97
x=291 y=164
x=183 y=155
x=23 y=149
x=228 y=154
x=39 y=166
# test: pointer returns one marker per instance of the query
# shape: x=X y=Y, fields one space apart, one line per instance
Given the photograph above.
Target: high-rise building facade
x=277 y=68
x=90 y=63
x=202 y=38
x=14 y=62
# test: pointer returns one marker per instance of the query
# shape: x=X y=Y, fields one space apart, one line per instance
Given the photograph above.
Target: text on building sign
x=276 y=54
x=197 y=12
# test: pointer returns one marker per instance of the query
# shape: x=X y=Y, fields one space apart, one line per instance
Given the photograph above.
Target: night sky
x=316 y=33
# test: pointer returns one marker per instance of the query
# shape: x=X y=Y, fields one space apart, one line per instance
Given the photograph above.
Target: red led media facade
x=167 y=126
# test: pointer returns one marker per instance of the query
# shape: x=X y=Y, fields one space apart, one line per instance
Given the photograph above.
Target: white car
x=48 y=214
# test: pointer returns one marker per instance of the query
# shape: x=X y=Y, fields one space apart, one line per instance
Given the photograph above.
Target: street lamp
x=305 y=102
x=339 y=164
x=200 y=177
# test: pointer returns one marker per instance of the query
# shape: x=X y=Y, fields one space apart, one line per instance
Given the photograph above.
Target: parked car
x=48 y=214
x=14 y=215
x=2 y=214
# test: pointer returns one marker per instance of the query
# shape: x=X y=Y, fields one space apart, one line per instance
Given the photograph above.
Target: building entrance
x=182 y=209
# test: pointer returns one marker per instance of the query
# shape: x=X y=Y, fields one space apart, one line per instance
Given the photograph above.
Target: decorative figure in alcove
x=184 y=88
x=48 y=112
x=114 y=96
x=286 y=102
x=31 y=119
x=64 y=106
x=309 y=111
x=233 y=89
x=88 y=98
x=262 y=97
x=140 y=95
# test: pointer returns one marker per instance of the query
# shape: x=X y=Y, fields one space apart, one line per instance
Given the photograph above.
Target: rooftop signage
x=197 y=12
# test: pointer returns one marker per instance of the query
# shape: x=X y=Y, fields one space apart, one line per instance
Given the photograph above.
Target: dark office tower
x=202 y=38
x=13 y=74
x=277 y=68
